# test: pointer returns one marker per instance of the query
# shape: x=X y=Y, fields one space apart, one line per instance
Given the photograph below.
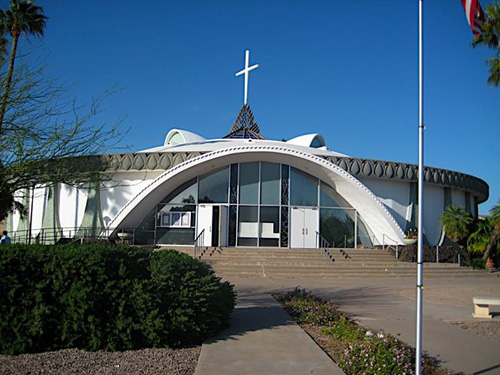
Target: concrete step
x=324 y=263
x=352 y=275
x=304 y=263
x=324 y=273
x=316 y=268
x=296 y=256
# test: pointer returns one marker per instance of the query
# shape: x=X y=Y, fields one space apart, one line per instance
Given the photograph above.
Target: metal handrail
x=323 y=247
x=197 y=243
x=389 y=246
x=49 y=235
x=344 y=237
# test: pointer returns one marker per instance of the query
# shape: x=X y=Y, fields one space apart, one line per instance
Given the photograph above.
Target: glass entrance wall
x=303 y=189
x=270 y=183
x=269 y=226
x=249 y=183
x=258 y=197
x=175 y=224
x=176 y=216
x=337 y=226
x=248 y=225
x=213 y=187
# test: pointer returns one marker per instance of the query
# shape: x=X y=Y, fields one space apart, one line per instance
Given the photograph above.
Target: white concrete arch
x=373 y=212
x=179 y=136
x=314 y=140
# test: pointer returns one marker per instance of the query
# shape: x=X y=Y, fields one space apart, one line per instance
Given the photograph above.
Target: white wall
x=394 y=195
x=38 y=209
x=72 y=202
x=433 y=209
x=18 y=197
x=117 y=193
x=39 y=204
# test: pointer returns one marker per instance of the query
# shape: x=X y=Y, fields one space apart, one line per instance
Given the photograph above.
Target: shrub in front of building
x=104 y=297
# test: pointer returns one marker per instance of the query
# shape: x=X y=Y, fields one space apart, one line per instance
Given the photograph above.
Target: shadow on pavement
x=254 y=314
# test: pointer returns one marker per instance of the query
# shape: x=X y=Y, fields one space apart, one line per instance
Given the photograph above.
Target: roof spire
x=245 y=125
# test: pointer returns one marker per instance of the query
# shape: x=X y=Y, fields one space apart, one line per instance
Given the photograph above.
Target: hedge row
x=104 y=297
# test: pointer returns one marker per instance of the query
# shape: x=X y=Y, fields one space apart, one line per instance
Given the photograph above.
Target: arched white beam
x=373 y=212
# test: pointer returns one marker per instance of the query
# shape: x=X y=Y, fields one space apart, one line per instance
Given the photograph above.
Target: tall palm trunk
x=491 y=243
x=8 y=80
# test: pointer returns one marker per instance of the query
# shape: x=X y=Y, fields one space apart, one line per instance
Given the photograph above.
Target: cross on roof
x=245 y=71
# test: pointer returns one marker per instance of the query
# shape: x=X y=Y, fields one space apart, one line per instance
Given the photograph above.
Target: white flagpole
x=421 y=128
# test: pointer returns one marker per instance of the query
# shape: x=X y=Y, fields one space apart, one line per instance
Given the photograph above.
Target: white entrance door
x=304 y=225
x=214 y=220
x=205 y=214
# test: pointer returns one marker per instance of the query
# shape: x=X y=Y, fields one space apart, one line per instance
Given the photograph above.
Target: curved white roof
x=179 y=136
x=183 y=141
x=314 y=140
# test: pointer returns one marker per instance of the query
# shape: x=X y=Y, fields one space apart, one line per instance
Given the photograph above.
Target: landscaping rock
x=132 y=362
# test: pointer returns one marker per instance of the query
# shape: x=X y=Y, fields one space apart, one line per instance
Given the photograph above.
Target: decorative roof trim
x=363 y=196
x=361 y=168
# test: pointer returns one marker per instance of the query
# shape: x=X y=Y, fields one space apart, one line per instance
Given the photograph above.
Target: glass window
x=270 y=183
x=213 y=187
x=330 y=198
x=269 y=226
x=175 y=224
x=175 y=236
x=248 y=226
x=303 y=189
x=185 y=193
x=233 y=189
x=365 y=236
x=176 y=215
x=337 y=226
x=249 y=183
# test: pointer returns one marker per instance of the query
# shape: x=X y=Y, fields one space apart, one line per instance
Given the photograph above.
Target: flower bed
x=353 y=347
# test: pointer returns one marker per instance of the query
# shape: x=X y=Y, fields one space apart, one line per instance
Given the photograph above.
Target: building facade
x=244 y=190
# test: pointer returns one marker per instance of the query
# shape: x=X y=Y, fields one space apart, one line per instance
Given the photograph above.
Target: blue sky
x=345 y=69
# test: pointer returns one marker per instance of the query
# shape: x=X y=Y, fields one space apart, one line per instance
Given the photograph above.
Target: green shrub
x=478 y=263
x=103 y=297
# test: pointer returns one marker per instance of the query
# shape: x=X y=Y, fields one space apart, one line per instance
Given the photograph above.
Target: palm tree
x=23 y=18
x=495 y=233
x=3 y=42
x=490 y=37
x=456 y=223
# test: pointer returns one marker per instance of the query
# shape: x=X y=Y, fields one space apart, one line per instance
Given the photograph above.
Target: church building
x=245 y=190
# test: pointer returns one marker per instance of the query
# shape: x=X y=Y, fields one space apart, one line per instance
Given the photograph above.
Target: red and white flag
x=475 y=15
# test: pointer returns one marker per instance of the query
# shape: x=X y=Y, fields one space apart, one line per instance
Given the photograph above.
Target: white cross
x=245 y=71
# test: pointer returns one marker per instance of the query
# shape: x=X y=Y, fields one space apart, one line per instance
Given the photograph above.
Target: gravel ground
x=74 y=361
x=490 y=329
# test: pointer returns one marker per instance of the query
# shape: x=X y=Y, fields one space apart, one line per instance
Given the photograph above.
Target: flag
x=475 y=15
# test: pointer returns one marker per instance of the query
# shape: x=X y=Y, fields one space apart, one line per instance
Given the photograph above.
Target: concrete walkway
x=263 y=340
x=383 y=304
